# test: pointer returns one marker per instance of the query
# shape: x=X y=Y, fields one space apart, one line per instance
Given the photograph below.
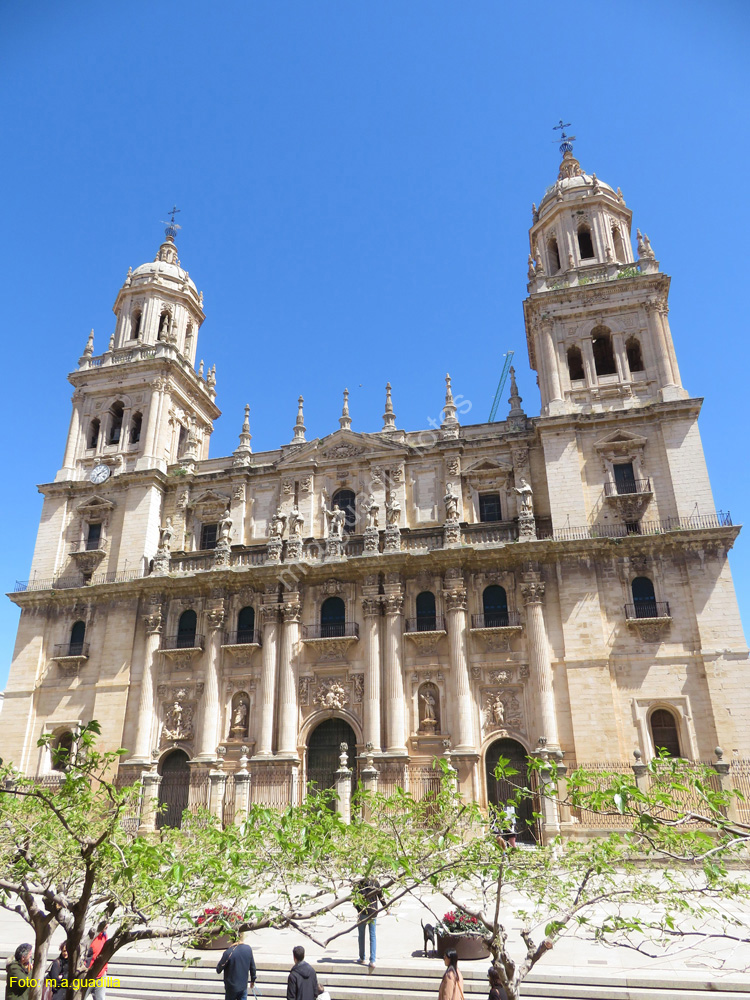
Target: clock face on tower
x=100 y=474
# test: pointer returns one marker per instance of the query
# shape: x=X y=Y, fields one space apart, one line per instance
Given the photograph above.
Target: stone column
x=549 y=804
x=150 y=781
x=242 y=788
x=288 y=709
x=659 y=346
x=217 y=789
x=723 y=769
x=395 y=735
x=74 y=432
x=369 y=776
x=153 y=622
x=455 y=606
x=540 y=663
x=344 y=786
x=371 y=707
x=270 y=616
x=152 y=421
x=550 y=361
x=210 y=714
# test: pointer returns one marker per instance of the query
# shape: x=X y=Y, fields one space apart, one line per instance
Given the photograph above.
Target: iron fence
x=647 y=609
x=426 y=623
x=330 y=630
x=496 y=619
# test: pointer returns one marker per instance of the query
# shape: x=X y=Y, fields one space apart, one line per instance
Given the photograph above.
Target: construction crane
x=500 y=386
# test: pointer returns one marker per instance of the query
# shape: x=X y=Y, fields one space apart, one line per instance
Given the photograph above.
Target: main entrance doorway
x=500 y=790
x=174 y=789
x=323 y=752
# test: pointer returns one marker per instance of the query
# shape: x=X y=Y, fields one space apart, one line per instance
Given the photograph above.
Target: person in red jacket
x=98 y=992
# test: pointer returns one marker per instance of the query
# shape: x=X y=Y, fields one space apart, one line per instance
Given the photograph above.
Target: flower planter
x=214 y=942
x=468 y=947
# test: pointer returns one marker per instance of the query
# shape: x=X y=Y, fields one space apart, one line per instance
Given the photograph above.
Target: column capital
x=291 y=612
x=393 y=603
x=153 y=623
x=269 y=614
x=371 y=606
x=215 y=618
x=455 y=599
x=532 y=591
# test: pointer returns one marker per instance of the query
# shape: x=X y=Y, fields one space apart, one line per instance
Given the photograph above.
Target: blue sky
x=356 y=183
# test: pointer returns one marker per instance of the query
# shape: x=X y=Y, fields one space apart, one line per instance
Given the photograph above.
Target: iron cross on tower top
x=566 y=141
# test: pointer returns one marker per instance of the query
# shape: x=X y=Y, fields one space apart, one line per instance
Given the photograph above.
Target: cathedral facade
x=555 y=584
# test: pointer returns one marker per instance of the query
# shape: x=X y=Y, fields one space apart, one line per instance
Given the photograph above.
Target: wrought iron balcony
x=63 y=649
x=332 y=630
x=243 y=637
x=426 y=623
x=647 y=609
x=633 y=487
x=497 y=619
x=183 y=641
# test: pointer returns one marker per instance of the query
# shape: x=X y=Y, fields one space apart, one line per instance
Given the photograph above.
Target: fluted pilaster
x=210 y=715
x=540 y=663
x=270 y=618
x=371 y=609
x=288 y=708
x=455 y=606
x=153 y=622
x=395 y=720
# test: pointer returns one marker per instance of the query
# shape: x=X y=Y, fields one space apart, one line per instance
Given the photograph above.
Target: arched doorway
x=323 y=752
x=499 y=791
x=174 y=789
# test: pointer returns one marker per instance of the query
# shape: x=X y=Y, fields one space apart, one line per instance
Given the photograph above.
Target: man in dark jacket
x=367 y=895
x=302 y=983
x=237 y=964
x=17 y=972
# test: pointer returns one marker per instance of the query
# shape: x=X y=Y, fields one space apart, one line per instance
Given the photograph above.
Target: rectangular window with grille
x=489 y=507
x=93 y=537
x=209 y=536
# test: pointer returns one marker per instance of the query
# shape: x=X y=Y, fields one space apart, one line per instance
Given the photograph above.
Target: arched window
x=644 y=598
x=553 y=255
x=575 y=364
x=77 y=637
x=135 y=427
x=426 y=617
x=604 y=355
x=186 y=628
x=635 y=357
x=664 y=732
x=495 y=607
x=345 y=500
x=585 y=243
x=62 y=750
x=135 y=325
x=116 y=411
x=332 y=618
x=188 y=338
x=93 y=433
x=619 y=246
x=246 y=625
x=165 y=323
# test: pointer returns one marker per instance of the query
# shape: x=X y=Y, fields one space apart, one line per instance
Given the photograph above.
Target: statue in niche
x=336 y=522
x=178 y=724
x=225 y=526
x=526 y=494
x=165 y=536
x=373 y=509
x=295 y=523
x=451 y=503
x=498 y=711
x=392 y=511
x=277 y=524
x=240 y=707
x=429 y=710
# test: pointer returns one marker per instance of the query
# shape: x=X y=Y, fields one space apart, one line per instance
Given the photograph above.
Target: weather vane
x=172 y=226
x=566 y=144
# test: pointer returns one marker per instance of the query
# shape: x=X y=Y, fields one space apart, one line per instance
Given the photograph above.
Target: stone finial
x=719 y=753
x=449 y=410
x=89 y=348
x=389 y=418
x=111 y=343
x=211 y=380
x=514 y=399
x=345 y=422
x=532 y=268
x=534 y=213
x=200 y=369
x=647 y=244
x=637 y=754
x=620 y=197
x=539 y=261
x=129 y=277
x=243 y=451
x=299 y=426
x=642 y=246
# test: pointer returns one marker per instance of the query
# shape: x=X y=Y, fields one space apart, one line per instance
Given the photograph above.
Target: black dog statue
x=429 y=935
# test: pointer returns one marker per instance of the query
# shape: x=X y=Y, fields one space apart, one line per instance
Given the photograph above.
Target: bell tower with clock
x=138 y=407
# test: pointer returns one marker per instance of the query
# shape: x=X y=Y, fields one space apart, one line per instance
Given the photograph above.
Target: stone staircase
x=154 y=977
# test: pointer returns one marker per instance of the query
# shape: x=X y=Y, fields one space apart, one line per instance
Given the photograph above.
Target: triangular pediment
x=620 y=439
x=342 y=446
x=210 y=498
x=487 y=467
x=95 y=504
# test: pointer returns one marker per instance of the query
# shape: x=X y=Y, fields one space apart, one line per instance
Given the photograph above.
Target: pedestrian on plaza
x=98 y=992
x=503 y=825
x=18 y=972
x=302 y=983
x=367 y=895
x=452 y=983
x=497 y=992
x=57 y=972
x=238 y=965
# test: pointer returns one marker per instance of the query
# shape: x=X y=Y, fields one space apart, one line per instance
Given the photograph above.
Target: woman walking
x=452 y=983
x=496 y=990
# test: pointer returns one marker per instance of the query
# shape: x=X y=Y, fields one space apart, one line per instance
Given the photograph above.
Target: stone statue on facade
x=276 y=527
x=225 y=526
x=373 y=510
x=526 y=522
x=165 y=537
x=526 y=494
x=392 y=511
x=296 y=521
x=336 y=522
x=451 y=503
x=239 y=719
x=178 y=724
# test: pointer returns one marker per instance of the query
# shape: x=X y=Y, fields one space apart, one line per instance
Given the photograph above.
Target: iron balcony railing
x=647 y=609
x=496 y=619
x=242 y=637
x=77 y=580
x=71 y=649
x=331 y=630
x=697 y=522
x=426 y=623
x=183 y=640
x=627 y=488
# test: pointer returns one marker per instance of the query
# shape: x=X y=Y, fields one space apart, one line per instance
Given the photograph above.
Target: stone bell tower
x=596 y=316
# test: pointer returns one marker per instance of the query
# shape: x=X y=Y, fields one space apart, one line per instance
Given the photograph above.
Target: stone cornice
x=676 y=409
